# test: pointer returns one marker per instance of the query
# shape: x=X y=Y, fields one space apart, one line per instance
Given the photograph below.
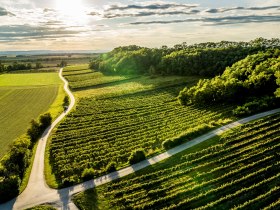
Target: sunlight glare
x=72 y=10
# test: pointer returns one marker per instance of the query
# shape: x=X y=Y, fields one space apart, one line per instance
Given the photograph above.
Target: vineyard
x=107 y=130
x=240 y=170
x=81 y=77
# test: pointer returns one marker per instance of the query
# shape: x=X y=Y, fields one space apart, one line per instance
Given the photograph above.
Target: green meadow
x=24 y=97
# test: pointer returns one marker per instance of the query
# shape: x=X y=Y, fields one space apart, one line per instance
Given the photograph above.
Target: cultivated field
x=88 y=83
x=240 y=170
x=103 y=129
x=49 y=60
x=24 y=97
x=82 y=78
x=19 y=80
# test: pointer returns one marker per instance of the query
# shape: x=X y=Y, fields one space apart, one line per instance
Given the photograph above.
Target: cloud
x=52 y=23
x=145 y=9
x=264 y=8
x=4 y=12
x=149 y=13
x=218 y=20
x=151 y=6
x=167 y=9
x=20 y=32
x=221 y=10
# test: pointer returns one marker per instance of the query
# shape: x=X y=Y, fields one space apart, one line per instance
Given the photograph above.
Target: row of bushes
x=89 y=173
x=192 y=133
x=257 y=105
x=19 y=66
x=14 y=164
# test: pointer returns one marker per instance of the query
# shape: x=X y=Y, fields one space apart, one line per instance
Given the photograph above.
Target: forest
x=243 y=73
x=252 y=81
x=204 y=59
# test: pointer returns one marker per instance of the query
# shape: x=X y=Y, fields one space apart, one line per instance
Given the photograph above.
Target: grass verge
x=49 y=175
x=28 y=170
x=42 y=207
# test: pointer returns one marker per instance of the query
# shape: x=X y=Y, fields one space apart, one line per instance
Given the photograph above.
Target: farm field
x=238 y=170
x=103 y=129
x=34 y=79
x=49 y=60
x=24 y=97
x=81 y=77
x=88 y=83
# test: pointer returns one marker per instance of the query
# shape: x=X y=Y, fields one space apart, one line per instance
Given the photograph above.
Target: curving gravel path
x=37 y=187
x=37 y=192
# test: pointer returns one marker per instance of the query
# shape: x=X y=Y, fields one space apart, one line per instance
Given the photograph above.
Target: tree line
x=14 y=165
x=15 y=66
x=205 y=59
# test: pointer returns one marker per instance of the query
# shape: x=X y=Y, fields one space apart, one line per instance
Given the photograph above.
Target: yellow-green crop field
x=24 y=97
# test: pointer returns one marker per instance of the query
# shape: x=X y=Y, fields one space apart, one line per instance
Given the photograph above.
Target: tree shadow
x=8 y=205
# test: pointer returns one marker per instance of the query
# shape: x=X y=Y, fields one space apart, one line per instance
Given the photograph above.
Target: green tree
x=2 y=68
x=253 y=76
x=34 y=131
x=66 y=101
x=63 y=64
x=45 y=121
x=277 y=93
x=38 y=65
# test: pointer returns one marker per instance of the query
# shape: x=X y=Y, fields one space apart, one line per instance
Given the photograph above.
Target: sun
x=72 y=10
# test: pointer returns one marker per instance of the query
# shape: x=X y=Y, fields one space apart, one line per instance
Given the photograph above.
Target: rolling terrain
x=107 y=129
x=164 y=109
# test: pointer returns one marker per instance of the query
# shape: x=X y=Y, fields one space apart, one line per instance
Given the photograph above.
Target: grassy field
x=34 y=79
x=239 y=170
x=106 y=129
x=24 y=97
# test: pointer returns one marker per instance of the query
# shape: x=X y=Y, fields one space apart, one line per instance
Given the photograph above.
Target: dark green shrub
x=34 y=131
x=256 y=105
x=66 y=101
x=37 y=129
x=88 y=174
x=9 y=188
x=45 y=121
x=137 y=156
x=70 y=181
x=168 y=144
x=111 y=167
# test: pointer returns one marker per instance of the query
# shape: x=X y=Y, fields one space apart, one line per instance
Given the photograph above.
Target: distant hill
x=48 y=52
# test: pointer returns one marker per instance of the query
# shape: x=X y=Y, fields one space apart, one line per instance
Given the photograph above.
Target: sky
x=103 y=25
